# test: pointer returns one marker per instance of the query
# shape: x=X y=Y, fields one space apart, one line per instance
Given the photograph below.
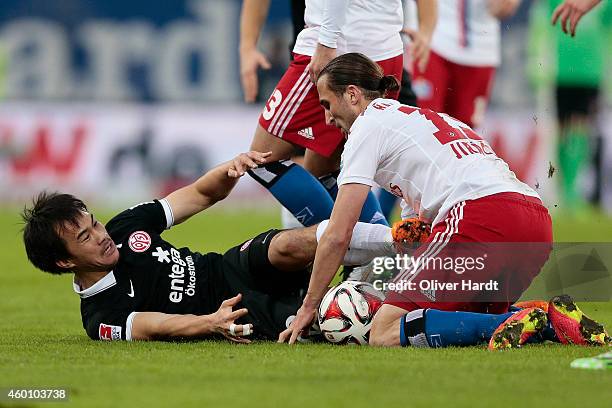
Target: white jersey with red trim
x=371 y=27
x=430 y=160
x=467 y=33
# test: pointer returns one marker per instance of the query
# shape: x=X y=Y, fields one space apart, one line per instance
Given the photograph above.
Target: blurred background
x=121 y=101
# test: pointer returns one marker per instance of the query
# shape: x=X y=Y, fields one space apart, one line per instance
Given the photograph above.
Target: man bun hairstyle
x=49 y=214
x=357 y=69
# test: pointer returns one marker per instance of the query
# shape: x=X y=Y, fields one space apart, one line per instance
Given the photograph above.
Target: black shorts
x=572 y=100
x=270 y=295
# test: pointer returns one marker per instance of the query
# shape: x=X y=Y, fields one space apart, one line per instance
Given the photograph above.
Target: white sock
x=288 y=221
x=368 y=241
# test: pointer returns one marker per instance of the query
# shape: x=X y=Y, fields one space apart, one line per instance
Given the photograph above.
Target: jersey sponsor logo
x=179 y=283
x=139 y=241
x=246 y=245
x=306 y=133
x=109 y=332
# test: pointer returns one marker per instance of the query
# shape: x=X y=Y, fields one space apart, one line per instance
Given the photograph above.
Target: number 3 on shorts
x=273 y=102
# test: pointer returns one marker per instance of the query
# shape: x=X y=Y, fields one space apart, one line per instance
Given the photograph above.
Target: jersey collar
x=103 y=284
x=365 y=111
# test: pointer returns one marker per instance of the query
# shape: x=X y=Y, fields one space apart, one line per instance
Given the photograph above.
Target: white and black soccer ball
x=347 y=310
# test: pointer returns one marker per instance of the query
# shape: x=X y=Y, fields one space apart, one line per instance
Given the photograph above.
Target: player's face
x=91 y=247
x=338 y=111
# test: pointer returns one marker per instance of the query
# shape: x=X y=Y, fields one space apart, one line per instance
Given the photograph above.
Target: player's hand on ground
x=571 y=11
x=250 y=61
x=419 y=47
x=299 y=325
x=319 y=60
x=224 y=321
x=246 y=161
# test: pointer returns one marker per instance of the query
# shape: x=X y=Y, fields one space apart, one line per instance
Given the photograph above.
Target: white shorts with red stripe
x=293 y=112
x=513 y=230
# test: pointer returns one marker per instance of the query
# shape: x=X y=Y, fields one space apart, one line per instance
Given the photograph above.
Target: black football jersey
x=151 y=276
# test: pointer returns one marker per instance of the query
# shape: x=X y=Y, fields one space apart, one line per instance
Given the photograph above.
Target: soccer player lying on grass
x=448 y=176
x=136 y=286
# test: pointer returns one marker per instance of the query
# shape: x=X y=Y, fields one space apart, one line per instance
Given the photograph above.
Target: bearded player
x=448 y=176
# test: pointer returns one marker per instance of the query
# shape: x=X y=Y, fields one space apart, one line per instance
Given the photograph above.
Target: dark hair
x=357 y=69
x=48 y=216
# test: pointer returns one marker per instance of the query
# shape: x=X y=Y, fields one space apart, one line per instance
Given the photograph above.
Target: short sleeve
x=361 y=155
x=152 y=216
x=110 y=325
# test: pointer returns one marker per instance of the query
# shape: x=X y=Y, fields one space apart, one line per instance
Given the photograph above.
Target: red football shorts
x=510 y=234
x=294 y=114
x=460 y=91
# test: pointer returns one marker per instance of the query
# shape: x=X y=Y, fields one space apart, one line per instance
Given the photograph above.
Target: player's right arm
x=162 y=326
x=252 y=18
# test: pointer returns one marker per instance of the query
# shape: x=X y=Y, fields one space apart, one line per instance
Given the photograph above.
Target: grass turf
x=42 y=344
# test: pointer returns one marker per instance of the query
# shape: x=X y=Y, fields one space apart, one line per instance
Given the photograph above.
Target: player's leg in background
x=293 y=114
x=431 y=85
x=577 y=114
x=288 y=220
x=327 y=170
x=468 y=96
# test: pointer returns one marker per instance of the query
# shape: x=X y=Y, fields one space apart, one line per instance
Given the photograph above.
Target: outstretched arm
x=329 y=254
x=213 y=186
x=162 y=326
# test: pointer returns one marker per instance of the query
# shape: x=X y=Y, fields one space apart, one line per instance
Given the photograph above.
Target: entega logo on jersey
x=177 y=284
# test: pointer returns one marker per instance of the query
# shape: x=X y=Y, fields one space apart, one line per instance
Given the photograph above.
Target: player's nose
x=100 y=236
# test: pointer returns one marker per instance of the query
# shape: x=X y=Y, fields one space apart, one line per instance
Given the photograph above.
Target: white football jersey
x=371 y=27
x=467 y=33
x=431 y=160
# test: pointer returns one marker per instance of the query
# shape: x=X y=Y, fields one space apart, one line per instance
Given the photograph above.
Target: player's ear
x=65 y=264
x=353 y=92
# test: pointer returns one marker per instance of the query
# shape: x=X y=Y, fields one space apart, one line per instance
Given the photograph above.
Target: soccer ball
x=347 y=310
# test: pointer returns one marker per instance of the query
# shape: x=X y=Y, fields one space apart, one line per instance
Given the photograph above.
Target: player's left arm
x=334 y=13
x=213 y=186
x=502 y=9
x=329 y=254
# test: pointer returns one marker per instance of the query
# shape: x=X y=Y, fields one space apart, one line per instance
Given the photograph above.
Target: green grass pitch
x=42 y=344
